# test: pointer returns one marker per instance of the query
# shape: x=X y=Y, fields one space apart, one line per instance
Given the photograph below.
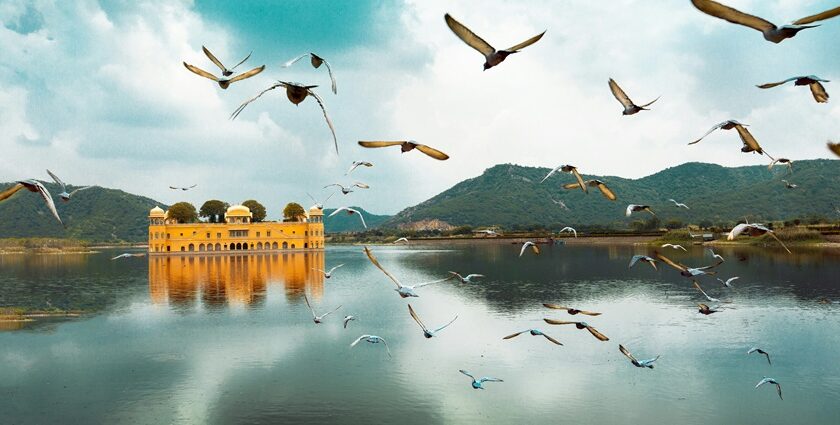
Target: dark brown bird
x=406 y=146
x=492 y=57
x=579 y=325
x=812 y=81
x=770 y=31
x=571 y=311
x=706 y=309
x=834 y=147
x=223 y=81
x=630 y=108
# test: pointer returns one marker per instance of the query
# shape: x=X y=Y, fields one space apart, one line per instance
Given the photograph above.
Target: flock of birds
x=298 y=92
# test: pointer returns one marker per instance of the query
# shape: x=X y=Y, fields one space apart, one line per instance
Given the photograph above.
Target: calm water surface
x=228 y=339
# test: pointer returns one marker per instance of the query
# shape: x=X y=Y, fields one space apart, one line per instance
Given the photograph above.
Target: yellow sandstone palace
x=237 y=233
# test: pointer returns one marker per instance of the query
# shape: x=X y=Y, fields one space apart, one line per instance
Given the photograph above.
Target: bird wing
x=466 y=373
x=241 y=62
x=735 y=16
x=650 y=103
x=247 y=102
x=818 y=17
x=634 y=260
x=330 y=312
x=444 y=326
x=669 y=262
x=619 y=94
x=552 y=339
x=579 y=179
x=489 y=379
x=771 y=85
x=309 y=306
x=766 y=354
x=558 y=322
x=57 y=180
x=333 y=269
x=352 y=167
x=550 y=173
x=535 y=248
x=526 y=43
x=247 y=74
x=627 y=353
x=333 y=184
x=10 y=191
x=834 y=147
x=773 y=235
x=629 y=210
x=697 y=285
x=361 y=185
x=779 y=390
x=49 y=200
x=326 y=117
x=332 y=77
x=375 y=262
x=416 y=318
x=606 y=192
x=818 y=91
x=589 y=313
x=420 y=285
x=337 y=211
x=597 y=334
x=201 y=72
x=292 y=61
x=361 y=217
x=214 y=59
x=432 y=152
x=748 y=138
x=469 y=37
x=555 y=306
x=379 y=144
x=470 y=276
x=358 y=340
x=79 y=190
x=119 y=256
x=719 y=125
x=522 y=251
x=572 y=186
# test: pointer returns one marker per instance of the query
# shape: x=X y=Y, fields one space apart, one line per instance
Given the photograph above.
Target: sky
x=97 y=93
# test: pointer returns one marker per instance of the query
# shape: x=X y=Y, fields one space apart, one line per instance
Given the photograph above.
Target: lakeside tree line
x=213 y=211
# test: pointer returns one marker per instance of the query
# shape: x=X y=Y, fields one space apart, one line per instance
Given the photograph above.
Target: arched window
x=293 y=246
x=305 y=245
x=219 y=247
x=201 y=248
x=274 y=245
x=259 y=245
x=285 y=245
x=238 y=245
x=192 y=247
x=182 y=249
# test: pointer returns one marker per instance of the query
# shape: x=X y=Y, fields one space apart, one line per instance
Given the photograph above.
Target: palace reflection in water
x=216 y=281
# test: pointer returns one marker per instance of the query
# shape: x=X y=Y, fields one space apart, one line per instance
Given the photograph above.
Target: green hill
x=511 y=196
x=96 y=214
x=343 y=223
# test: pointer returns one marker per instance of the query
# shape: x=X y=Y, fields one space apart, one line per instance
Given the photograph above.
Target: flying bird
x=348 y=319
x=64 y=195
x=642 y=258
x=718 y=256
x=328 y=274
x=476 y=383
x=182 y=188
x=706 y=310
x=534 y=332
x=636 y=208
x=834 y=147
x=32 y=186
x=728 y=282
x=812 y=81
x=571 y=169
x=630 y=108
x=754 y=229
x=316 y=62
x=346 y=190
x=726 y=125
x=789 y=185
x=603 y=188
x=579 y=325
x=401 y=240
x=533 y=246
x=296 y=93
x=679 y=204
x=572 y=311
x=315 y=318
x=708 y=298
x=684 y=270
x=770 y=31
x=405 y=291
x=670 y=245
x=760 y=351
x=561 y=203
x=223 y=81
x=569 y=229
x=129 y=255
x=466 y=279
x=750 y=144
x=350 y=211
x=320 y=205
x=767 y=380
x=492 y=57
x=784 y=161
x=405 y=146
x=426 y=332
x=373 y=339
x=638 y=363
x=357 y=164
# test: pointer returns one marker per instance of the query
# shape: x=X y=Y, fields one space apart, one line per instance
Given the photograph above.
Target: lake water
x=229 y=340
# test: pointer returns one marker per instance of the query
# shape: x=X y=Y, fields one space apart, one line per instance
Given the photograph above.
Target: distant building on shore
x=237 y=233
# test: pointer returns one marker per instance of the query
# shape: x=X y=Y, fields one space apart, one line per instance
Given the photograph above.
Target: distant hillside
x=511 y=195
x=342 y=223
x=96 y=214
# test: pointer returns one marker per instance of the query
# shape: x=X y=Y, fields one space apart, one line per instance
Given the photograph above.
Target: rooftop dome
x=316 y=211
x=238 y=211
x=157 y=212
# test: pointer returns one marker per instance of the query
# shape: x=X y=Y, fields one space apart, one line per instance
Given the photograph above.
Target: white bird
x=533 y=246
x=767 y=380
x=405 y=291
x=728 y=282
x=347 y=320
x=718 y=256
x=812 y=81
x=569 y=229
x=670 y=245
x=630 y=108
x=492 y=57
x=128 y=255
x=534 y=332
x=770 y=31
x=373 y=339
x=350 y=211
x=754 y=229
x=636 y=208
x=692 y=235
x=346 y=190
x=468 y=278
x=223 y=82
x=315 y=318
x=679 y=204
x=182 y=188
x=561 y=203
x=725 y=125
x=320 y=205
x=426 y=332
x=487 y=232
x=789 y=185
x=697 y=285
x=638 y=363
x=760 y=351
x=643 y=258
x=316 y=62
x=64 y=195
x=357 y=164
x=32 y=186
x=476 y=383
x=328 y=274
x=401 y=240
x=296 y=93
